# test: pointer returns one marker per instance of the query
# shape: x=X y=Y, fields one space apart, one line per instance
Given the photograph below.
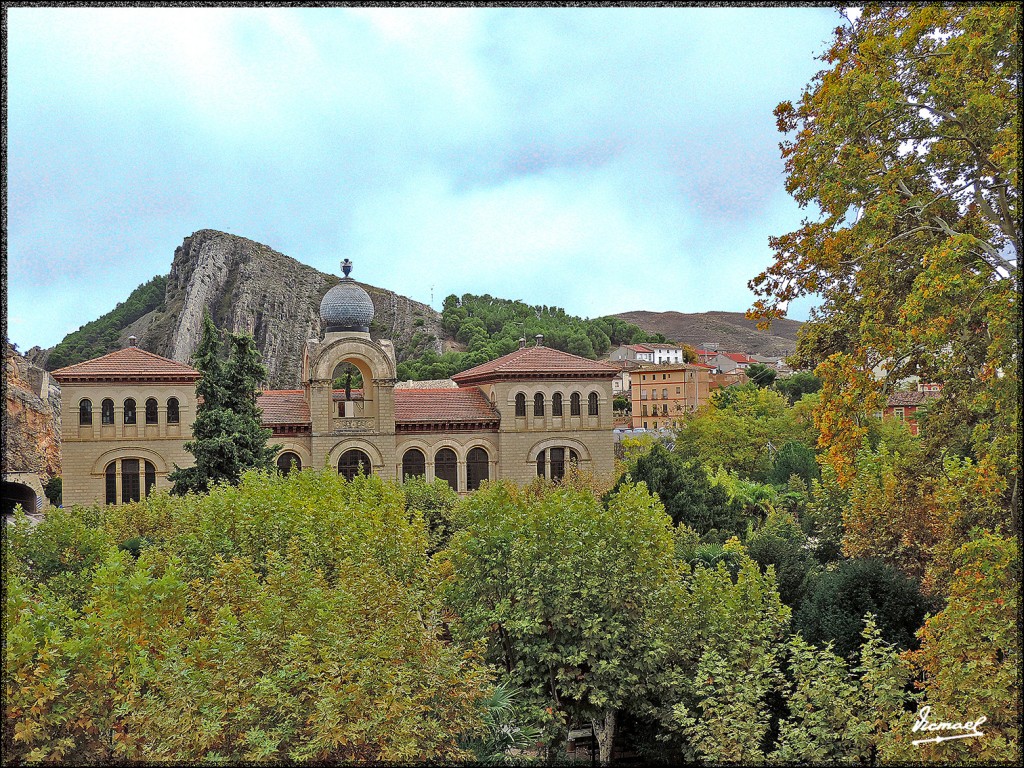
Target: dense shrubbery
x=101 y=335
x=491 y=327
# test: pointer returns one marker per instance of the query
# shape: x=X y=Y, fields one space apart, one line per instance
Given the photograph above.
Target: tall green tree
x=572 y=597
x=906 y=146
x=227 y=435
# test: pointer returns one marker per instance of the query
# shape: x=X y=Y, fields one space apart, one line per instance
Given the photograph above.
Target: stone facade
x=101 y=435
x=529 y=413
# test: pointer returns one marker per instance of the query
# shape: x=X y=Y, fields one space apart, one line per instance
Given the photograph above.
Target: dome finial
x=346 y=266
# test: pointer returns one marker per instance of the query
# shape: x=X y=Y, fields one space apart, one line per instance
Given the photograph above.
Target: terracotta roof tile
x=420 y=405
x=284 y=406
x=901 y=399
x=536 y=361
x=128 y=363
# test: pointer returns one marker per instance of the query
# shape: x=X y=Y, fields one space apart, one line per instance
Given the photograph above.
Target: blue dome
x=346 y=307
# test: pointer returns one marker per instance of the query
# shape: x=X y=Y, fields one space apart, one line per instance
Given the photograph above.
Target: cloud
x=601 y=160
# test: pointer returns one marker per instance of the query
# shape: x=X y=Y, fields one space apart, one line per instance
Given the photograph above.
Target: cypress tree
x=227 y=436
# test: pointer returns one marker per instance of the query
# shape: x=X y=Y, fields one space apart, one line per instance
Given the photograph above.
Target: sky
x=599 y=159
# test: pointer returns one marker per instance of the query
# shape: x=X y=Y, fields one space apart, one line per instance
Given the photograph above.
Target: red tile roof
x=128 y=364
x=739 y=357
x=437 y=405
x=284 y=406
x=902 y=399
x=536 y=362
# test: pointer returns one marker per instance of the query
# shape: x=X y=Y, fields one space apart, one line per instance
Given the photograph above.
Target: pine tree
x=227 y=436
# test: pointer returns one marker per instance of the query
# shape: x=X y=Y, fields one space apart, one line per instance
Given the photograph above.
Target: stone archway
x=22 y=488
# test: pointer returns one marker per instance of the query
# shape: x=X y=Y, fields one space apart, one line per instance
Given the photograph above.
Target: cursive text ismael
x=924 y=725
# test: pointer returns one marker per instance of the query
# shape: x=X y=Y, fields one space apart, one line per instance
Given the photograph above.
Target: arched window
x=414 y=463
x=150 y=477
x=541 y=465
x=172 y=410
x=592 y=404
x=556 y=404
x=557 y=463
x=151 y=417
x=110 y=476
x=129 y=412
x=85 y=412
x=476 y=468
x=107 y=412
x=288 y=461
x=446 y=467
x=574 y=404
x=520 y=404
x=129 y=480
x=353 y=462
x=538 y=404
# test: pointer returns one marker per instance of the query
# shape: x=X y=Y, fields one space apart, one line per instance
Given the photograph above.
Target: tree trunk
x=604 y=734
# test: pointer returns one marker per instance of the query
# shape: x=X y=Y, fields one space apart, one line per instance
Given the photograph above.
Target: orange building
x=663 y=393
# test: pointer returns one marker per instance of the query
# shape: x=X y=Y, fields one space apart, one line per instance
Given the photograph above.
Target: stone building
x=530 y=413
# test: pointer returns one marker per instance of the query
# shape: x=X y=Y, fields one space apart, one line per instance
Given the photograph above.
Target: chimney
x=540 y=339
x=522 y=342
x=132 y=340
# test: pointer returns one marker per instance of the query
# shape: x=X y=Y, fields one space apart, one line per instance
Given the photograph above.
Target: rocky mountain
x=731 y=331
x=246 y=286
x=31 y=434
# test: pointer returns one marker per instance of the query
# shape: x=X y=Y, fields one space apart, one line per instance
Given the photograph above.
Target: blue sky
x=598 y=159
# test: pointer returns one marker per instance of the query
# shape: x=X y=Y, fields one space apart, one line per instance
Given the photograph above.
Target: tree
x=799 y=384
x=741 y=430
x=970 y=658
x=794 y=458
x=837 y=600
x=780 y=543
x=289 y=618
x=684 y=489
x=570 y=596
x=54 y=490
x=762 y=375
x=227 y=435
x=908 y=146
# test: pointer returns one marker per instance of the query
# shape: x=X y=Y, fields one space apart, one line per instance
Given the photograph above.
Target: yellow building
x=663 y=393
x=527 y=414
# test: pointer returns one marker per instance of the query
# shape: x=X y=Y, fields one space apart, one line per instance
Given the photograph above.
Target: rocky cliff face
x=250 y=287
x=31 y=418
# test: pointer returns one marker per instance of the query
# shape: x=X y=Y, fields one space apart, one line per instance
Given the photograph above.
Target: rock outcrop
x=247 y=286
x=31 y=435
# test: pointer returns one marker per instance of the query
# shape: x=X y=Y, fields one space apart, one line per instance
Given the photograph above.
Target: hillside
x=731 y=331
x=246 y=286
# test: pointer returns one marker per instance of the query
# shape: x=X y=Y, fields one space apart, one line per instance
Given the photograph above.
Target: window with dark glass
x=172 y=410
x=574 y=404
x=557 y=463
x=414 y=463
x=111 y=482
x=129 y=480
x=664 y=410
x=151 y=416
x=476 y=468
x=541 y=464
x=150 y=477
x=520 y=404
x=574 y=458
x=288 y=461
x=107 y=411
x=85 y=413
x=538 y=404
x=129 y=411
x=592 y=404
x=556 y=404
x=353 y=462
x=446 y=467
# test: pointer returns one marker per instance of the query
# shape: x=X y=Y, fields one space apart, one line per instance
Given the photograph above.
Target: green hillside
x=491 y=327
x=102 y=335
